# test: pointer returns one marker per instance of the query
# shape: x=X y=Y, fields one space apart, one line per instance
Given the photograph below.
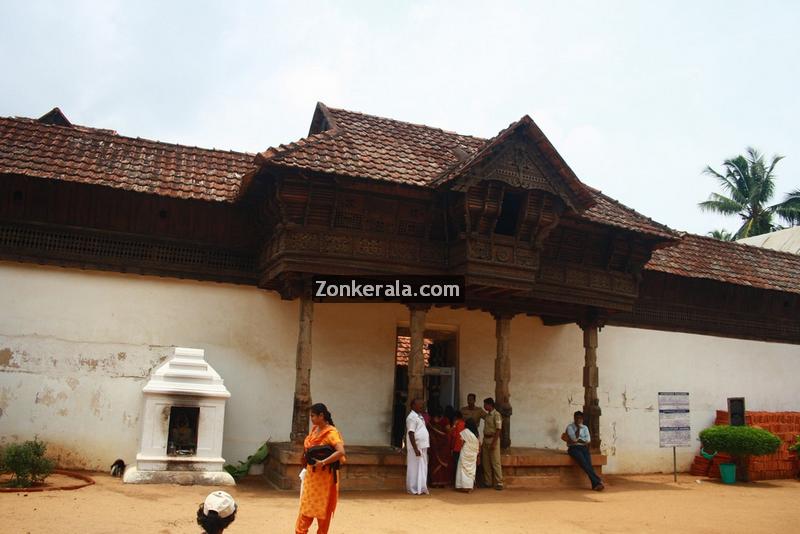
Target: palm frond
x=721 y=204
x=775 y=159
x=727 y=181
x=738 y=170
x=789 y=209
x=722 y=235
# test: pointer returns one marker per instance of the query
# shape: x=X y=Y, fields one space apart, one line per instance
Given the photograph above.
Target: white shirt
x=576 y=433
x=416 y=424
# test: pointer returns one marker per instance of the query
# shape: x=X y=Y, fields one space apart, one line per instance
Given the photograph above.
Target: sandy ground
x=635 y=504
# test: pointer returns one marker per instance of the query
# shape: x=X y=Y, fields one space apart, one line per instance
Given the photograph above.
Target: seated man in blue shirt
x=577 y=438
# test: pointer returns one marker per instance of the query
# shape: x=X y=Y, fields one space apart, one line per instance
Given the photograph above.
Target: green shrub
x=258 y=457
x=796 y=446
x=27 y=463
x=739 y=441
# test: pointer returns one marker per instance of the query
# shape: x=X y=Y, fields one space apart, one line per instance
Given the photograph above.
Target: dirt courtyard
x=634 y=504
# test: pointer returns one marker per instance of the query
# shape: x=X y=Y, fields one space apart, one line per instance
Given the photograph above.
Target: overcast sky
x=637 y=96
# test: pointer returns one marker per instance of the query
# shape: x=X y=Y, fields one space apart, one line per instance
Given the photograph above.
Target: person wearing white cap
x=217 y=512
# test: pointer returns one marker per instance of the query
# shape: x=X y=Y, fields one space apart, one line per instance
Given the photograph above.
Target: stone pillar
x=302 y=381
x=416 y=359
x=502 y=376
x=591 y=404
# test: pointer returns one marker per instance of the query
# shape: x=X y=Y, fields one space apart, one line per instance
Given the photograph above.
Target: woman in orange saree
x=323 y=450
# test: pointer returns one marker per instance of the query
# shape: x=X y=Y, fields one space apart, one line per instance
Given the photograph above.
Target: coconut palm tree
x=722 y=235
x=749 y=183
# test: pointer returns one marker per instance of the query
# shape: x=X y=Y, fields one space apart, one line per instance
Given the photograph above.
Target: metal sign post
x=674 y=465
x=674 y=423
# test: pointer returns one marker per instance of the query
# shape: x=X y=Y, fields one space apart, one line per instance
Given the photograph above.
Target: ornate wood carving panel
x=575 y=276
x=517 y=168
x=341 y=249
x=105 y=250
x=669 y=302
x=517 y=164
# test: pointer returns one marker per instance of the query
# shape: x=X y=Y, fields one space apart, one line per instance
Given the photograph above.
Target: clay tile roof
x=102 y=157
x=366 y=146
x=613 y=213
x=696 y=256
x=350 y=144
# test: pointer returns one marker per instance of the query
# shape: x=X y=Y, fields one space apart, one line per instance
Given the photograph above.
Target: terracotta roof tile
x=102 y=157
x=366 y=146
x=696 y=256
x=613 y=213
x=403 y=350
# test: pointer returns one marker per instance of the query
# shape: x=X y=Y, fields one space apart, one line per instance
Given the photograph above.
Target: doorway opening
x=440 y=380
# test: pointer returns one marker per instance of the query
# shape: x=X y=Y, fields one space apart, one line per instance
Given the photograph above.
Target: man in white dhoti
x=417 y=444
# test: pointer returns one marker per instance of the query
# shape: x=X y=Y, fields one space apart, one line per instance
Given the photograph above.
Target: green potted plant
x=257 y=458
x=741 y=442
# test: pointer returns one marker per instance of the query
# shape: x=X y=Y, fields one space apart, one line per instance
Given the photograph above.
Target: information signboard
x=673 y=419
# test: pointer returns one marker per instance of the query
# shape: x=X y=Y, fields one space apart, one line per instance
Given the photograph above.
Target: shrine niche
x=182 y=424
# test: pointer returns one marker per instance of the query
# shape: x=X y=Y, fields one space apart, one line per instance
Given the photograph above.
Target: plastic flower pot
x=728 y=473
x=706 y=455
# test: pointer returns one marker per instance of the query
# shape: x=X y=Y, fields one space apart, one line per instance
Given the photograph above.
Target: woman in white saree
x=468 y=460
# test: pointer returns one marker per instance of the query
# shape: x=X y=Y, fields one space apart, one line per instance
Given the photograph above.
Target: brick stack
x=709 y=468
x=782 y=464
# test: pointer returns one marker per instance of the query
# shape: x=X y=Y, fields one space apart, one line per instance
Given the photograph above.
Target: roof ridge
x=754 y=248
x=71 y=127
x=415 y=124
x=78 y=129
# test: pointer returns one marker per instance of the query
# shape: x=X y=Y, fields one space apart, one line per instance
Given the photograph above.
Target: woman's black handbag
x=312 y=455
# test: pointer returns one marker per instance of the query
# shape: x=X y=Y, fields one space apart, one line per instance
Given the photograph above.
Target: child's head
x=217 y=512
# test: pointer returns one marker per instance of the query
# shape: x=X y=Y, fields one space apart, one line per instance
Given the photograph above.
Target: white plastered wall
x=634 y=365
x=76 y=347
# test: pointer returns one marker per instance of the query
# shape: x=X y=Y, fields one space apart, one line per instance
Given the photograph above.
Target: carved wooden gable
x=519 y=164
x=514 y=165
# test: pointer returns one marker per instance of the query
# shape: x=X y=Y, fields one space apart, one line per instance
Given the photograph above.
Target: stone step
x=383 y=468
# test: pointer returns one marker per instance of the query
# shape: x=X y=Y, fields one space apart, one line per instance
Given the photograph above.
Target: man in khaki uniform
x=490 y=456
x=470 y=411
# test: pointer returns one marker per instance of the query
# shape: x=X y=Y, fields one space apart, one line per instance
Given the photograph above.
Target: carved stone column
x=502 y=376
x=591 y=404
x=302 y=381
x=416 y=359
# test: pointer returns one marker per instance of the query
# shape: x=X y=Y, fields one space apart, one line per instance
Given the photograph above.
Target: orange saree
x=320 y=492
